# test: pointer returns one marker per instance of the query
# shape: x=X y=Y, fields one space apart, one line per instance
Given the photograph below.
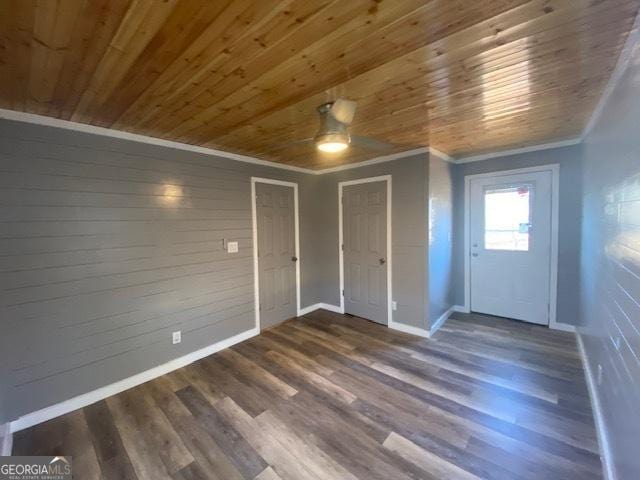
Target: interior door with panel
x=275 y=213
x=365 y=250
x=510 y=245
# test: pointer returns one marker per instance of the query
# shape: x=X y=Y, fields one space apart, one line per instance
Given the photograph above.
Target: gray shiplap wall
x=570 y=199
x=440 y=237
x=106 y=247
x=610 y=266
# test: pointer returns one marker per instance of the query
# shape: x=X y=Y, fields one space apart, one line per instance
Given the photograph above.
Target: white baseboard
x=6 y=440
x=420 y=332
x=94 y=396
x=461 y=309
x=440 y=321
x=320 y=306
x=603 y=437
x=565 y=327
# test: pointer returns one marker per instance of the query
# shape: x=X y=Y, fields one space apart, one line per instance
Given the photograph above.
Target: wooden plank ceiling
x=246 y=76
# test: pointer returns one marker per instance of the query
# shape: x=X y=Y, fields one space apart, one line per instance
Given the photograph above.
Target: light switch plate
x=176 y=337
x=232 y=247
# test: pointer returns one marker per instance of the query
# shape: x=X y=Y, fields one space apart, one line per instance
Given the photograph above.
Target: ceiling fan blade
x=372 y=143
x=343 y=110
x=294 y=143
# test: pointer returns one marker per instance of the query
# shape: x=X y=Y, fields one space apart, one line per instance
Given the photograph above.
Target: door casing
x=341 y=185
x=254 y=220
x=553 y=279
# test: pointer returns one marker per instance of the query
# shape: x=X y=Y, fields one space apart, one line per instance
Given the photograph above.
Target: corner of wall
x=6 y=440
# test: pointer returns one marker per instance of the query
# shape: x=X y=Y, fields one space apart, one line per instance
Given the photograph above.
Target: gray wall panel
x=107 y=246
x=610 y=266
x=440 y=233
x=569 y=159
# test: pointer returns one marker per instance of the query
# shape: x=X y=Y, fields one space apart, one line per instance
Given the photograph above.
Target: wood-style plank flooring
x=337 y=397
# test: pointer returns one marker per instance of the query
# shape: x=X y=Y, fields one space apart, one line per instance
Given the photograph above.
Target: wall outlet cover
x=394 y=305
x=232 y=247
x=176 y=337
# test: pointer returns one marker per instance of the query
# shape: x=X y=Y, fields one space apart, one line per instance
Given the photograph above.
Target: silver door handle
x=294 y=259
x=382 y=261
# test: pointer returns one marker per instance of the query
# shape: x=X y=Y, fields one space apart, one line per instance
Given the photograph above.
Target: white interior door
x=365 y=250
x=276 y=253
x=510 y=245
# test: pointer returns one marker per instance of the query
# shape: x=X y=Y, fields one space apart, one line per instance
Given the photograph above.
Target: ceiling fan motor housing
x=331 y=130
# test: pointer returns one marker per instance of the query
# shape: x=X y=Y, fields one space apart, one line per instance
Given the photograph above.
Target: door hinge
x=342 y=246
x=343 y=293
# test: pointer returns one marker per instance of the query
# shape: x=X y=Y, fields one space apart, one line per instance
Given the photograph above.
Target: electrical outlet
x=176 y=337
x=232 y=247
x=394 y=305
x=600 y=372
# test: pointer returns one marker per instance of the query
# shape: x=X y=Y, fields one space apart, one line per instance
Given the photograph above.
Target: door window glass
x=507 y=218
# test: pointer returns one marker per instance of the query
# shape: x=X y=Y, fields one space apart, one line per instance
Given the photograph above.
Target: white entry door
x=510 y=245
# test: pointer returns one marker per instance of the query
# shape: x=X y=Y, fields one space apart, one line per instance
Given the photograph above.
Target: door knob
x=294 y=259
x=474 y=254
x=382 y=261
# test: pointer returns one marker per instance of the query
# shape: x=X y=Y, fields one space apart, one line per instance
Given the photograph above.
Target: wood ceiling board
x=247 y=76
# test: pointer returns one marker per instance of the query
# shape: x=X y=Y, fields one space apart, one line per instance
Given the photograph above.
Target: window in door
x=507 y=217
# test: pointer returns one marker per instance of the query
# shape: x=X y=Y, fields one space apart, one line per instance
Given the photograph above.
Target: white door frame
x=341 y=185
x=254 y=221
x=553 y=267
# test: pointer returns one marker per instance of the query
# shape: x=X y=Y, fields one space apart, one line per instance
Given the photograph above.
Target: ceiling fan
x=333 y=134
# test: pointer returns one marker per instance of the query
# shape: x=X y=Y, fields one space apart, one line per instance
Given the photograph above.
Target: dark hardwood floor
x=331 y=396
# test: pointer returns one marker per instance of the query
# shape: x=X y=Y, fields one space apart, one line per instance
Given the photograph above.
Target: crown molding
x=108 y=132
x=373 y=161
x=92 y=129
x=437 y=153
x=515 y=151
x=633 y=39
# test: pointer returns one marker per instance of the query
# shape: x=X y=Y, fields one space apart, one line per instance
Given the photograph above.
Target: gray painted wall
x=570 y=201
x=99 y=263
x=440 y=233
x=610 y=300
x=409 y=231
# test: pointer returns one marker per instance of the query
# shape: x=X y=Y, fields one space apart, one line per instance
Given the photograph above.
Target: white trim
x=319 y=306
x=555 y=205
x=420 y=332
x=633 y=38
x=331 y=308
x=108 y=132
x=101 y=393
x=596 y=407
x=254 y=221
x=134 y=137
x=440 y=321
x=437 y=153
x=373 y=161
x=7 y=440
x=341 y=185
x=460 y=309
x=516 y=151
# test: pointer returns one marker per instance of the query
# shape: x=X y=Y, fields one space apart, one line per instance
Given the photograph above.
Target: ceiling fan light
x=332 y=142
x=332 y=147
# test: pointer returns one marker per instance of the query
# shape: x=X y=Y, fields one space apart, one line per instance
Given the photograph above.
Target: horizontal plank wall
x=610 y=268
x=106 y=247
